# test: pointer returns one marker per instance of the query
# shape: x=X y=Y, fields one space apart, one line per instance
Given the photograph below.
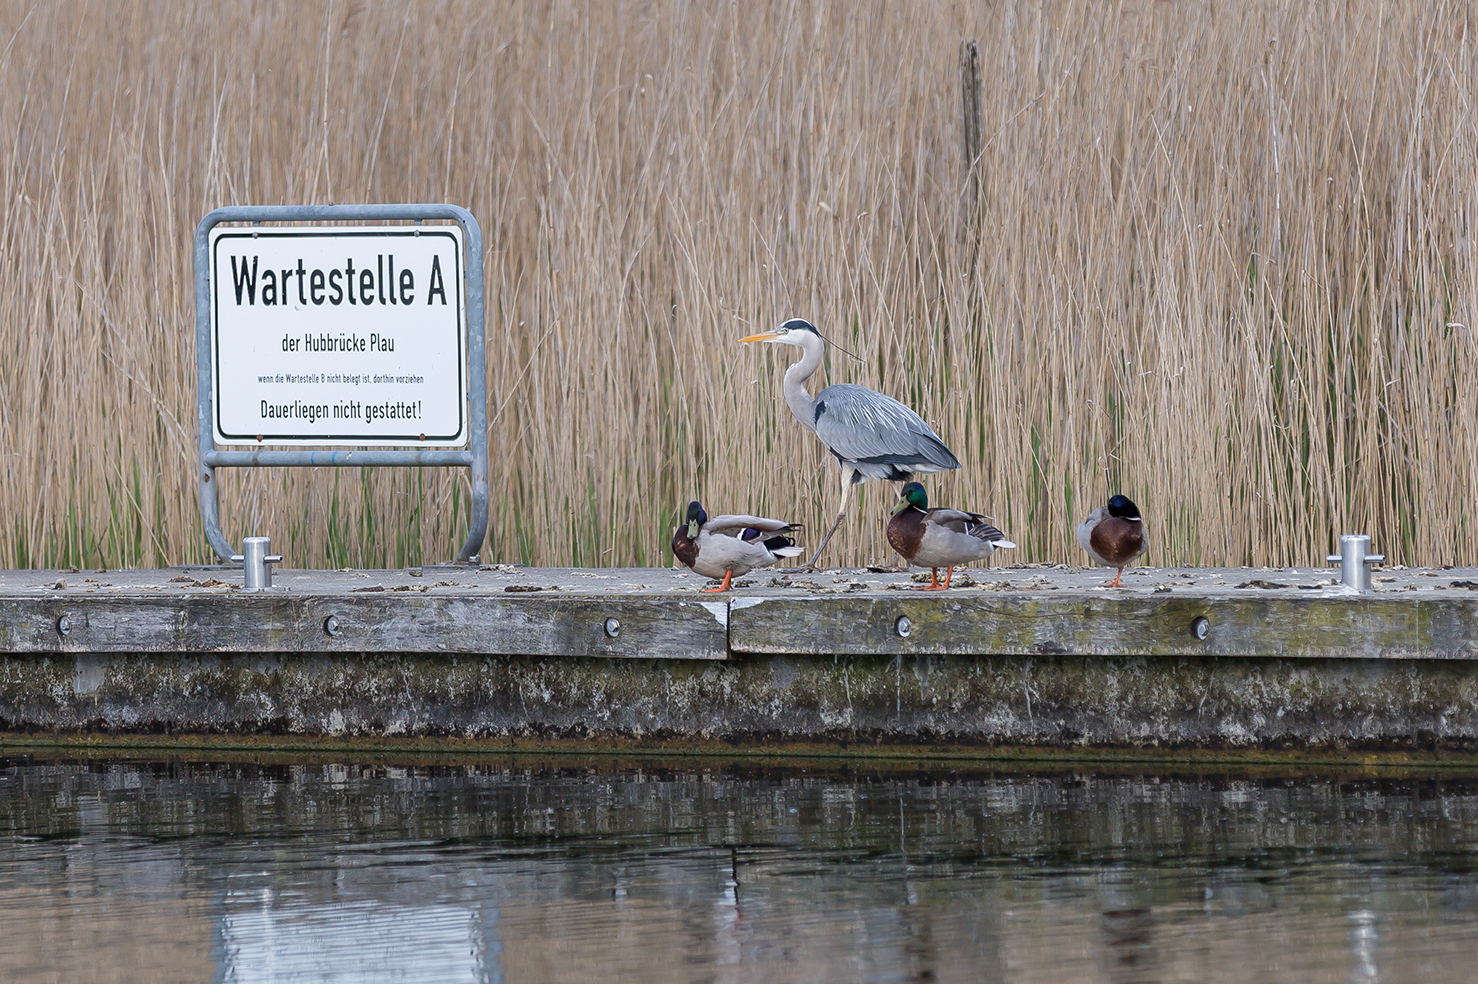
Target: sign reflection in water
x=241 y=872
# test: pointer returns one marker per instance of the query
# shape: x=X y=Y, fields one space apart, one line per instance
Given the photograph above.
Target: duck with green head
x=726 y=546
x=1114 y=535
x=939 y=537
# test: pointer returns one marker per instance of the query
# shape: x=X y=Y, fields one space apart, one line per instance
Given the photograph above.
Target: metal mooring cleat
x=256 y=563
x=1353 y=557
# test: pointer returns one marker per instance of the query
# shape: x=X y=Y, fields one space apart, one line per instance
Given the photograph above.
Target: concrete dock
x=1037 y=656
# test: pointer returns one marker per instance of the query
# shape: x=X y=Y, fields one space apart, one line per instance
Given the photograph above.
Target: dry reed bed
x=1221 y=260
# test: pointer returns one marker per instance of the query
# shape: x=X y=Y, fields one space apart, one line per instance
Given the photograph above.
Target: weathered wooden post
x=971 y=119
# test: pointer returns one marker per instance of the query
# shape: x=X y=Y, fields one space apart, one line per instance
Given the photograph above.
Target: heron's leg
x=728 y=576
x=847 y=473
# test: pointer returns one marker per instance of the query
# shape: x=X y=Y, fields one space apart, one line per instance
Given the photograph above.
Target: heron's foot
x=806 y=569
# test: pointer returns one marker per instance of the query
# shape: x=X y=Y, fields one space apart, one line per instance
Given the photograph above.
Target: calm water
x=140 y=871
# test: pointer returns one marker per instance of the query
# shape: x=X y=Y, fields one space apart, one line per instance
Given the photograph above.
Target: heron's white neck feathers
x=800 y=401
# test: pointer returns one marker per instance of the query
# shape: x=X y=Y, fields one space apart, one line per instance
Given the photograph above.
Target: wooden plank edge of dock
x=1322 y=624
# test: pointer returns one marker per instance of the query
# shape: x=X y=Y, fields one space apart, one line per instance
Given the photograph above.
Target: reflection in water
x=128 y=871
x=1365 y=937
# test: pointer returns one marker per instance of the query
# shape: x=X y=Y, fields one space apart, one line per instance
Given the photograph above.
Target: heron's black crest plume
x=801 y=324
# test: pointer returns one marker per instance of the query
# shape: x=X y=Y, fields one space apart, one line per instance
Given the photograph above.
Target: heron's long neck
x=800 y=402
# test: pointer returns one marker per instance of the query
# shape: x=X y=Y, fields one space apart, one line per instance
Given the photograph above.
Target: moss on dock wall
x=1214 y=702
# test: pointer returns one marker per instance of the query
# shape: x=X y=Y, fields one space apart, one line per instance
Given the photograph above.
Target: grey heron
x=1113 y=535
x=939 y=537
x=871 y=435
x=727 y=545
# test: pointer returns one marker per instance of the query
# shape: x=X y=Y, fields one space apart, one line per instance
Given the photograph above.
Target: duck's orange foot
x=728 y=577
x=934 y=584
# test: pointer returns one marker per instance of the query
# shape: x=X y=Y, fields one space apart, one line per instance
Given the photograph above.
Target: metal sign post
x=370 y=337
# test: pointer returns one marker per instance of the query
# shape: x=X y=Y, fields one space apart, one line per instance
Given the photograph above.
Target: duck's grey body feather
x=1085 y=533
x=721 y=553
x=736 y=524
x=950 y=538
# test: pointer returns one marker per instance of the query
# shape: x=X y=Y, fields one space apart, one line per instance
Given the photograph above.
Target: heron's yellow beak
x=763 y=336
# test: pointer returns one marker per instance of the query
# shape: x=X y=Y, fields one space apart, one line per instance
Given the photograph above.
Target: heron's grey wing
x=734 y=525
x=859 y=424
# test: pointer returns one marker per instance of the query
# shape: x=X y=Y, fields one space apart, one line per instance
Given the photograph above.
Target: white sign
x=340 y=335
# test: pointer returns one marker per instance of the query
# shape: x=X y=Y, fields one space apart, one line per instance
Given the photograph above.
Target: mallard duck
x=1113 y=535
x=936 y=538
x=724 y=546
